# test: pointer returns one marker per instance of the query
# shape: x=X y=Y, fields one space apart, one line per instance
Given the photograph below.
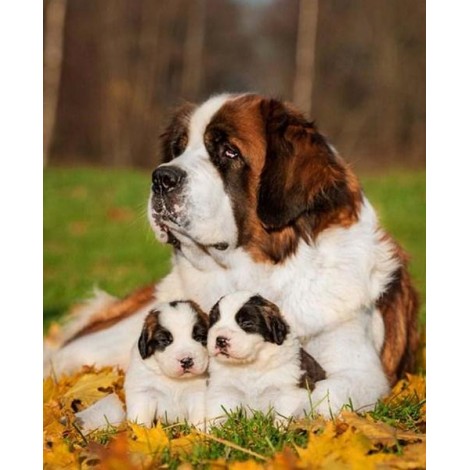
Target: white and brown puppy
x=255 y=361
x=166 y=378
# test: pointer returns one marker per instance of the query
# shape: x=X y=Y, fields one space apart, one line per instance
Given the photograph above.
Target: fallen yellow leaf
x=92 y=386
x=59 y=455
x=338 y=449
x=147 y=440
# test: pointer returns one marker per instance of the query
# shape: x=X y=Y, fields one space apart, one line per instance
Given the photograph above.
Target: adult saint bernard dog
x=252 y=197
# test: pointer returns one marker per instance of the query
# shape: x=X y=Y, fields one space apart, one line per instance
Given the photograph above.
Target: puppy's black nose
x=167 y=178
x=187 y=363
x=221 y=342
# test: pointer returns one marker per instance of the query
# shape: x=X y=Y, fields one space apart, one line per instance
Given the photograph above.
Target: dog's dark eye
x=230 y=152
x=177 y=146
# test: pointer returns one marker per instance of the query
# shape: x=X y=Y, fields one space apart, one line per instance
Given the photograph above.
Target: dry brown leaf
x=333 y=450
x=378 y=432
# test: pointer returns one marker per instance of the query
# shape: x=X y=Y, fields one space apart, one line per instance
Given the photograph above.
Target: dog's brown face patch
x=175 y=137
x=284 y=181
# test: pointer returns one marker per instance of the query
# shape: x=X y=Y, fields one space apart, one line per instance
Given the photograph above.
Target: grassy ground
x=96 y=232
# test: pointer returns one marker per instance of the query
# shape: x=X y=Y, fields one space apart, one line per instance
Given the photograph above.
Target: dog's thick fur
x=252 y=196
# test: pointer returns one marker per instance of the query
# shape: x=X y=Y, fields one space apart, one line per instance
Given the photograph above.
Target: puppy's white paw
x=326 y=400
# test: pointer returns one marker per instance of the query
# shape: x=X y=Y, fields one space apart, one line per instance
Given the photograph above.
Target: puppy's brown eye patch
x=250 y=320
x=162 y=339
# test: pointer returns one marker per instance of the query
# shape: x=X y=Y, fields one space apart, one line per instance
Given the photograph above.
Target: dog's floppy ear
x=147 y=343
x=301 y=174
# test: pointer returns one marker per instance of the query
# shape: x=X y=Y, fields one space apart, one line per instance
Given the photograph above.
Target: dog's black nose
x=167 y=178
x=221 y=342
x=187 y=363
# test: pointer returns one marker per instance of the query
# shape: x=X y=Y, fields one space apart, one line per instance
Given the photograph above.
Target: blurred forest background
x=113 y=69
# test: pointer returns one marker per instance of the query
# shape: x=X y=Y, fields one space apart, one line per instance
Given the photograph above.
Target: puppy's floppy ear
x=146 y=343
x=301 y=174
x=277 y=327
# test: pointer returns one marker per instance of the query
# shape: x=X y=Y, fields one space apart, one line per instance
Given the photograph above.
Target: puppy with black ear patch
x=167 y=374
x=255 y=361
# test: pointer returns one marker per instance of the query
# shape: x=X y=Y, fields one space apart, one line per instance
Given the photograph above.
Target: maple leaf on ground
x=147 y=441
x=59 y=455
x=378 y=432
x=338 y=448
x=412 y=386
x=114 y=456
x=91 y=386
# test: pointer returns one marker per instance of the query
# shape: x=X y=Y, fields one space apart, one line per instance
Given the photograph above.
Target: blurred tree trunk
x=140 y=68
x=305 y=55
x=388 y=79
x=53 y=52
x=116 y=36
x=193 y=50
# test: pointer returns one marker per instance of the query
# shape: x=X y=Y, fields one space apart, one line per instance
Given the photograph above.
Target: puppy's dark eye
x=163 y=339
x=247 y=324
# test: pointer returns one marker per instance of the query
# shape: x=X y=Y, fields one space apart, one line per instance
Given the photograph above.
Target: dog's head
x=242 y=326
x=175 y=336
x=244 y=170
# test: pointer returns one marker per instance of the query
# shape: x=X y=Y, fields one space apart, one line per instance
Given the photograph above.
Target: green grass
x=241 y=437
x=400 y=201
x=96 y=232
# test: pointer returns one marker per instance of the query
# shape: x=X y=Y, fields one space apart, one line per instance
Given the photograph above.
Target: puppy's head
x=242 y=325
x=175 y=336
